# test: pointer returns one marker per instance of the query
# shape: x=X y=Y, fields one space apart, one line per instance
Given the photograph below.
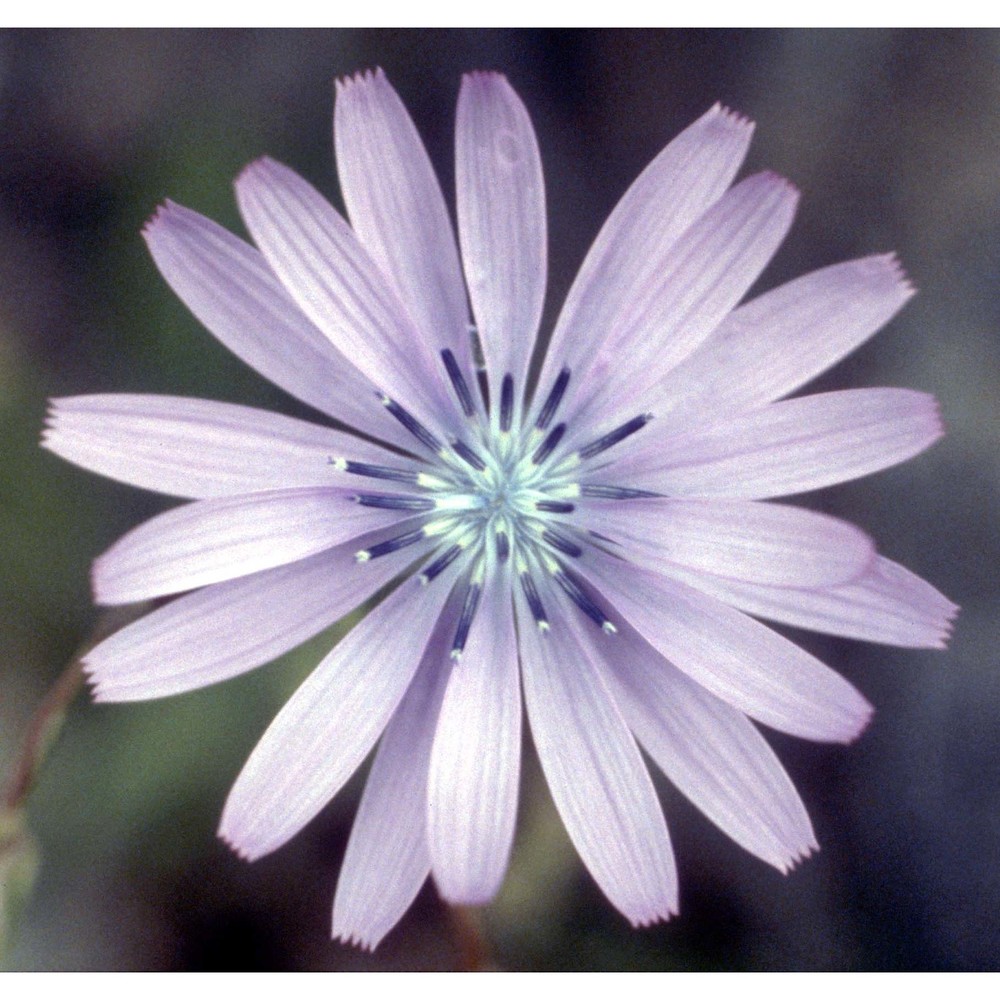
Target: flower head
x=601 y=538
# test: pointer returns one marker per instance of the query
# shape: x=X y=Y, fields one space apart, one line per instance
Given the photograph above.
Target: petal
x=197 y=448
x=329 y=725
x=475 y=763
x=710 y=751
x=776 y=343
x=789 y=447
x=697 y=283
x=397 y=210
x=678 y=187
x=339 y=287
x=208 y=541
x=598 y=780
x=387 y=859
x=229 y=287
x=229 y=628
x=736 y=658
x=743 y=540
x=501 y=222
x=889 y=604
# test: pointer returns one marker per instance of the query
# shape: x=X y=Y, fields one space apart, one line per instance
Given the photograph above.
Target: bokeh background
x=892 y=136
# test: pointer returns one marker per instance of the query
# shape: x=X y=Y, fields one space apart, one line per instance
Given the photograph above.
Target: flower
x=601 y=537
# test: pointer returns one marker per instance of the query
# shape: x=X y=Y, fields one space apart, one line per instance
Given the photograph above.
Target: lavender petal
x=208 y=541
x=598 y=780
x=734 y=657
x=330 y=724
x=789 y=447
x=501 y=222
x=475 y=762
x=710 y=751
x=387 y=860
x=398 y=212
x=197 y=448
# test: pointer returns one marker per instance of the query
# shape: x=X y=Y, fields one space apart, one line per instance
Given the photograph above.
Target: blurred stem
x=473 y=951
x=51 y=713
x=19 y=856
x=42 y=731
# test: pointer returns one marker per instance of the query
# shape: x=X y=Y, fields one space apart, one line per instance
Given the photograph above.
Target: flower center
x=504 y=503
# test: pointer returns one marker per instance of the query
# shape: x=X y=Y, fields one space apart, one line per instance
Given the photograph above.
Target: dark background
x=892 y=137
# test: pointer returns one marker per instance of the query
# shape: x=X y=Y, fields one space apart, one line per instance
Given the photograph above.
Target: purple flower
x=601 y=538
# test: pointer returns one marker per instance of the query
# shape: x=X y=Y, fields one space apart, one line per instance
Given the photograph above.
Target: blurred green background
x=892 y=136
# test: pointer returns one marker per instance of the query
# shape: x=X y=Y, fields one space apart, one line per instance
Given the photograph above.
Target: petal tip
x=100 y=590
x=154 y=221
x=800 y=855
x=855 y=727
x=657 y=915
x=483 y=78
x=893 y=268
x=354 y=939
x=167 y=213
x=261 y=168
x=779 y=183
x=937 y=429
x=730 y=117
x=50 y=423
x=362 y=78
x=946 y=627
x=234 y=841
x=99 y=693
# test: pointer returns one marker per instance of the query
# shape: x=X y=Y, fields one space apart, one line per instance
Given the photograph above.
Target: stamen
x=562 y=543
x=534 y=601
x=479 y=360
x=506 y=402
x=476 y=345
x=390 y=502
x=612 y=438
x=410 y=422
x=390 y=545
x=546 y=448
x=440 y=564
x=469 y=607
x=376 y=471
x=484 y=387
x=555 y=398
x=458 y=382
x=554 y=507
x=616 y=493
x=467 y=455
x=503 y=546
x=580 y=598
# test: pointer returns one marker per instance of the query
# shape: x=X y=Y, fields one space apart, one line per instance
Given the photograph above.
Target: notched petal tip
x=354 y=939
x=730 y=117
x=802 y=855
x=155 y=220
x=945 y=626
x=363 y=77
x=50 y=423
x=658 y=916
x=98 y=693
x=231 y=841
x=166 y=213
x=889 y=266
